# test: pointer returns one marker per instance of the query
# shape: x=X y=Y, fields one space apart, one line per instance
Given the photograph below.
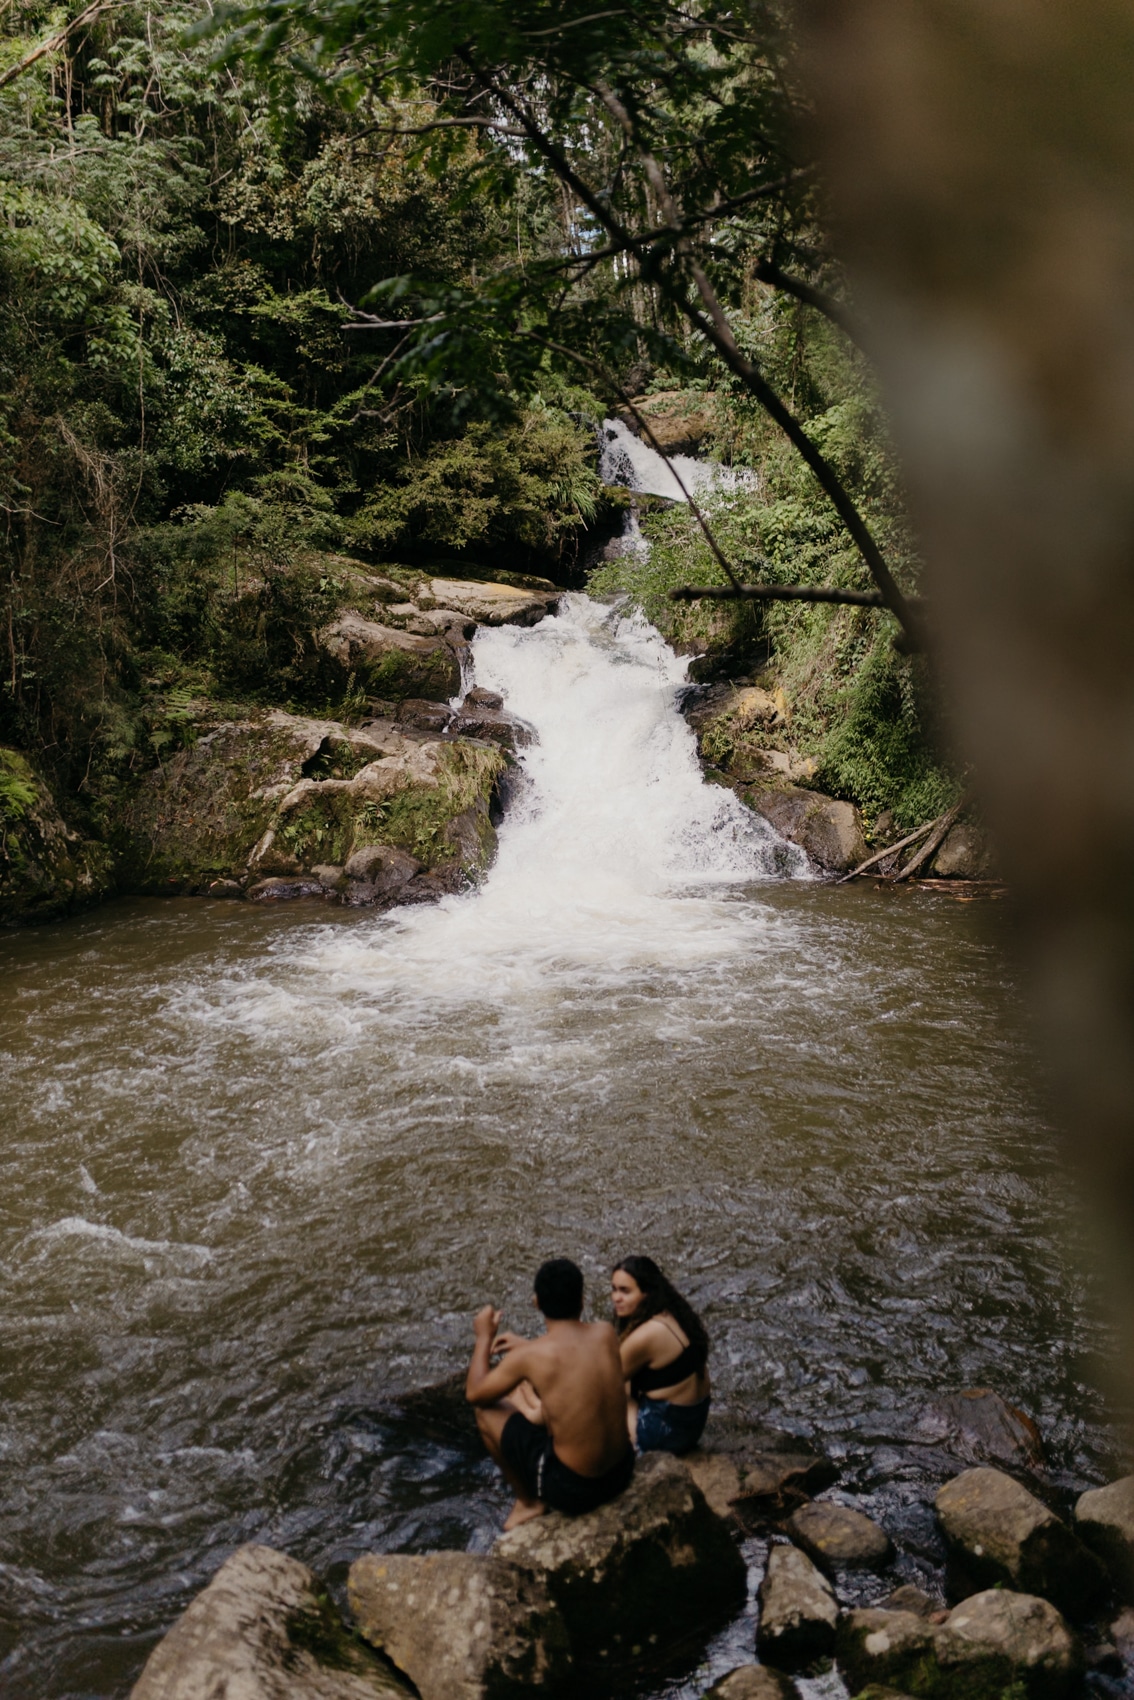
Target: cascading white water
x=614 y=855
x=626 y=459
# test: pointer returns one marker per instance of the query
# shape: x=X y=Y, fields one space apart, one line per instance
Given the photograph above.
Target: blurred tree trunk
x=981 y=161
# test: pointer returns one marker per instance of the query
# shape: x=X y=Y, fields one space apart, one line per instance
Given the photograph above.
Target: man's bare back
x=576 y=1372
x=560 y=1439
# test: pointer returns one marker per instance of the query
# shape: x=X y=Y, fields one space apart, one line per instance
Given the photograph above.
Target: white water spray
x=615 y=857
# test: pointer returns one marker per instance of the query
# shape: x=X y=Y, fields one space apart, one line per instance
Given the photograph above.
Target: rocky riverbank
x=395 y=798
x=1033 y=1605
x=396 y=803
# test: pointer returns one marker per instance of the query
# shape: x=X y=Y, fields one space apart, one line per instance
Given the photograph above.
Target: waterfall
x=615 y=855
x=626 y=459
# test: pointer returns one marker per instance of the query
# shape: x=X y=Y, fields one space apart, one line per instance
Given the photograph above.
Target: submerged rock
x=1105 y=1519
x=754 y=1682
x=829 y=831
x=798 y=1611
x=262 y=1630
x=998 y=1532
x=646 y=1571
x=838 y=1538
x=979 y=1427
x=461 y=1626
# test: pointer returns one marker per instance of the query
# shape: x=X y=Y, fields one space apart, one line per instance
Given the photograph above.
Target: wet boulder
x=418 y=714
x=646 y=1571
x=998 y=1532
x=377 y=871
x=977 y=1426
x=754 y=1682
x=1104 y=1517
x=997 y=1638
x=718 y=1477
x=390 y=663
x=283 y=890
x=494 y=725
x=839 y=1538
x=480 y=697
x=798 y=1612
x=495 y=604
x=774 y=1483
x=828 y=830
x=263 y=1630
x=462 y=1626
x=894 y=1648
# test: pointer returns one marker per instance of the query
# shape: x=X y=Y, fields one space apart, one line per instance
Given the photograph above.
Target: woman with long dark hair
x=665 y=1353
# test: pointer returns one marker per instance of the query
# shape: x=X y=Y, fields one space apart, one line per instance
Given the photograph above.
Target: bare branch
x=776 y=593
x=57 y=40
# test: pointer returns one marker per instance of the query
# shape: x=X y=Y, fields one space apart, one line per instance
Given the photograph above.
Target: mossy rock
x=46 y=868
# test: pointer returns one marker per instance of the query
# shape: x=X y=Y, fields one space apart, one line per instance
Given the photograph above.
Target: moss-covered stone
x=46 y=868
x=281 y=794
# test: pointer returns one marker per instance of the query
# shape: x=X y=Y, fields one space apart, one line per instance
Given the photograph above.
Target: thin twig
x=54 y=41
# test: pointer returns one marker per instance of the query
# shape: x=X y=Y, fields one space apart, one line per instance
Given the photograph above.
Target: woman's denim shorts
x=663 y=1427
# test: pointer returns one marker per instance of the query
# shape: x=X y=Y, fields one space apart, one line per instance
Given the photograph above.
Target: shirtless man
x=561 y=1438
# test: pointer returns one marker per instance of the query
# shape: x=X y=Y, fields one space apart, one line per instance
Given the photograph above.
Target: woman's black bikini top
x=687 y=1362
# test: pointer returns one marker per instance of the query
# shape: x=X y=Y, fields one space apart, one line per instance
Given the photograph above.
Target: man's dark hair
x=559 y=1289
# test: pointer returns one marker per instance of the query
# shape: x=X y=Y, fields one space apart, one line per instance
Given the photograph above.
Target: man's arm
x=483 y=1384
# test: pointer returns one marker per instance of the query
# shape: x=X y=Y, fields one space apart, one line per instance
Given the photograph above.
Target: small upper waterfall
x=627 y=459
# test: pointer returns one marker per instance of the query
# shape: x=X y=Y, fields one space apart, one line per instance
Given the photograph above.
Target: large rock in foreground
x=1105 y=1519
x=461 y=1626
x=653 y=1567
x=829 y=831
x=262 y=1631
x=798 y=1611
x=986 y=1645
x=997 y=1638
x=998 y=1532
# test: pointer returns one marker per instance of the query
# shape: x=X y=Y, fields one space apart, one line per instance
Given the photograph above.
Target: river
x=261 y=1164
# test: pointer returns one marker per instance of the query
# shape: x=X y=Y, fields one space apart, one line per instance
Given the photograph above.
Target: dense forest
x=281 y=292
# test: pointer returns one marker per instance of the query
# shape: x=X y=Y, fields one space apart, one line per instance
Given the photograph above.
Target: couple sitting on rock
x=563 y=1415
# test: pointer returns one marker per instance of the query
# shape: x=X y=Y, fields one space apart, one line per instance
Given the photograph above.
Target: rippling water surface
x=260 y=1165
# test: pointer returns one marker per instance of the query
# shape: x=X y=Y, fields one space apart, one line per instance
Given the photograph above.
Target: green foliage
x=185 y=429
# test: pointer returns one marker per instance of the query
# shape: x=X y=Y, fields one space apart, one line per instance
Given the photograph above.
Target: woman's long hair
x=658 y=1294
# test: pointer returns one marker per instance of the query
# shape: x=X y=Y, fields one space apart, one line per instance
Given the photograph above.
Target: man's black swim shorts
x=530 y=1456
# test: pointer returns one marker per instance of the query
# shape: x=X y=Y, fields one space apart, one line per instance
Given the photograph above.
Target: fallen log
x=932 y=843
x=890 y=850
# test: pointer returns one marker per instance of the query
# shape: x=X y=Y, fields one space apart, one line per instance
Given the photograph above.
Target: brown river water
x=260 y=1166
